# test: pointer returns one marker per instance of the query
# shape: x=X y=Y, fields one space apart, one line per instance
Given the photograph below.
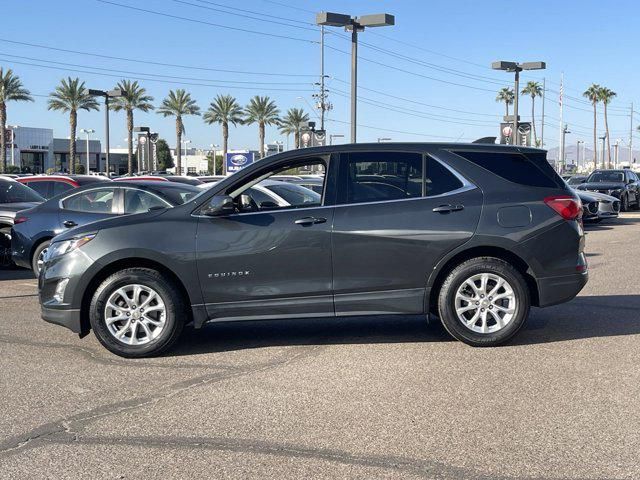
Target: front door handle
x=448 y=208
x=306 y=221
x=70 y=223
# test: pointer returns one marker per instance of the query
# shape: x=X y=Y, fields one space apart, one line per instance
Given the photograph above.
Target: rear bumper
x=66 y=317
x=555 y=290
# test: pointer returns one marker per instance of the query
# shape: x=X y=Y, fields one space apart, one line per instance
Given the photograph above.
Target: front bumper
x=555 y=290
x=66 y=317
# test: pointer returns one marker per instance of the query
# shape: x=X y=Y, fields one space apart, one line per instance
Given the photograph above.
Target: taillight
x=568 y=207
x=20 y=219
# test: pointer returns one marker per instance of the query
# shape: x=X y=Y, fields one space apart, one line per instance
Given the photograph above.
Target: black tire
x=464 y=271
x=5 y=247
x=636 y=206
x=175 y=307
x=624 y=203
x=36 y=254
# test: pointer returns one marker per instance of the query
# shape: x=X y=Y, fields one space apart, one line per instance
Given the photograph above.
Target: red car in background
x=48 y=186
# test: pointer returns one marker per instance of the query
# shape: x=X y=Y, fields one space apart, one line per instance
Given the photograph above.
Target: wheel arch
x=121 y=264
x=481 y=251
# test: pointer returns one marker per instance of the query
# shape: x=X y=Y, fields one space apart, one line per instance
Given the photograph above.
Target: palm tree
x=292 y=123
x=593 y=95
x=134 y=97
x=505 y=95
x=71 y=96
x=263 y=111
x=11 y=89
x=534 y=89
x=224 y=110
x=178 y=104
x=605 y=95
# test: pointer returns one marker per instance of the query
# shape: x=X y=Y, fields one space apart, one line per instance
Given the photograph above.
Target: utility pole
x=322 y=94
x=578 y=153
x=565 y=130
x=615 y=154
x=603 y=138
x=561 y=119
x=631 y=136
x=544 y=94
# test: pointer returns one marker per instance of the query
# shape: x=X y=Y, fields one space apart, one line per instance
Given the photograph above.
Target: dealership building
x=35 y=150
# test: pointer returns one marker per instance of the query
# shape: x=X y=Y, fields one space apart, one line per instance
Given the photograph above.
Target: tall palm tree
x=505 y=95
x=605 y=95
x=593 y=95
x=178 y=104
x=224 y=110
x=263 y=111
x=134 y=97
x=292 y=122
x=71 y=96
x=533 y=89
x=11 y=89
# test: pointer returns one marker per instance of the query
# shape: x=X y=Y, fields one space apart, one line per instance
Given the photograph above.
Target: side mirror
x=268 y=204
x=219 y=205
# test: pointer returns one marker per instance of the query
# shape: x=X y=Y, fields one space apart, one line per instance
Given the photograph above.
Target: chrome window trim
x=102 y=187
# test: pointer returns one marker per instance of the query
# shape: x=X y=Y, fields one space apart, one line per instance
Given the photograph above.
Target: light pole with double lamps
x=87 y=132
x=107 y=94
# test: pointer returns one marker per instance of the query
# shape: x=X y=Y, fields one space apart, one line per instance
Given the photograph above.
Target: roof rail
x=491 y=140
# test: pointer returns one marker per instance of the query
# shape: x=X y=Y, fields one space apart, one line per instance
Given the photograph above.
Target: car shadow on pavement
x=583 y=317
x=219 y=337
x=15 y=273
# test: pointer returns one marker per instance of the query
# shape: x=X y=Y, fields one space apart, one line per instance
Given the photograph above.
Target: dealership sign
x=237 y=161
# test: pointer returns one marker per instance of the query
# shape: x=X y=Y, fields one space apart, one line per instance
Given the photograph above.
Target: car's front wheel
x=624 y=203
x=484 y=301
x=137 y=312
x=37 y=260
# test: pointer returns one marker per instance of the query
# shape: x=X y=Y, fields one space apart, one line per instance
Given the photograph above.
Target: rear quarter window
x=531 y=169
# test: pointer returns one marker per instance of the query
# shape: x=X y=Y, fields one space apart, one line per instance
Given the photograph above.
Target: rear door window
x=43 y=188
x=92 y=201
x=531 y=169
x=380 y=176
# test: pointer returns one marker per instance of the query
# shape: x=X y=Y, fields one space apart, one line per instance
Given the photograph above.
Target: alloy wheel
x=485 y=303
x=135 y=314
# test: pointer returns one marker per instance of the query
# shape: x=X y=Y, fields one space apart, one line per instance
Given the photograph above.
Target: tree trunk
x=130 y=137
x=3 y=142
x=606 y=129
x=261 y=133
x=225 y=147
x=533 y=120
x=595 y=137
x=506 y=105
x=73 y=123
x=296 y=138
x=179 y=146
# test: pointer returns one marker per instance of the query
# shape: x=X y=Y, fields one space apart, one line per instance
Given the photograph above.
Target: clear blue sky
x=453 y=41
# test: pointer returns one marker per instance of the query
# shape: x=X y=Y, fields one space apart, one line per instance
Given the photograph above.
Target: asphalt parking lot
x=359 y=398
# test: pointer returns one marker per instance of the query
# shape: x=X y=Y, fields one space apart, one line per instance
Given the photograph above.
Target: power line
x=128 y=72
x=229 y=87
x=413 y=73
x=397 y=131
x=276 y=22
x=278 y=17
x=149 y=62
x=203 y=22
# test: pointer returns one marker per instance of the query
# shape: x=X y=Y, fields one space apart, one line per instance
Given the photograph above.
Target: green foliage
x=80 y=169
x=262 y=110
x=70 y=96
x=165 y=160
x=219 y=161
x=505 y=95
x=224 y=109
x=13 y=169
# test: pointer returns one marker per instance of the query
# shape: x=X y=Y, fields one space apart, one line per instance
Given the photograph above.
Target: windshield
x=606 y=177
x=14 y=192
x=295 y=195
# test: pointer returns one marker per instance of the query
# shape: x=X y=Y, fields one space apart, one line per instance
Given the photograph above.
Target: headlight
x=57 y=249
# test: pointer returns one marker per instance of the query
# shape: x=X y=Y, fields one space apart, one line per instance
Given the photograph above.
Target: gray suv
x=472 y=234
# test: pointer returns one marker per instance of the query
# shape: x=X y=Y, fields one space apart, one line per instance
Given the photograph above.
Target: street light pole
x=578 y=152
x=563 y=164
x=13 y=144
x=331 y=137
x=87 y=132
x=107 y=94
x=354 y=24
x=517 y=68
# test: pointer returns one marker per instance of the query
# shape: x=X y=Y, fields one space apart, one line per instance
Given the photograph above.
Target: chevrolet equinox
x=471 y=234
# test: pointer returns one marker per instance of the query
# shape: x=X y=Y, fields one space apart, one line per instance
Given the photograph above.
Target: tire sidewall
x=36 y=253
x=473 y=267
x=166 y=291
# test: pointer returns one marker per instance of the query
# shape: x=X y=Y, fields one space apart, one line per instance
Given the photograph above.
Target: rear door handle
x=306 y=221
x=448 y=208
x=70 y=224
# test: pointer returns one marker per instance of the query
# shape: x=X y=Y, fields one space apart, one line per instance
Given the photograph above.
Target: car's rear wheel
x=484 y=301
x=137 y=312
x=37 y=260
x=5 y=247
